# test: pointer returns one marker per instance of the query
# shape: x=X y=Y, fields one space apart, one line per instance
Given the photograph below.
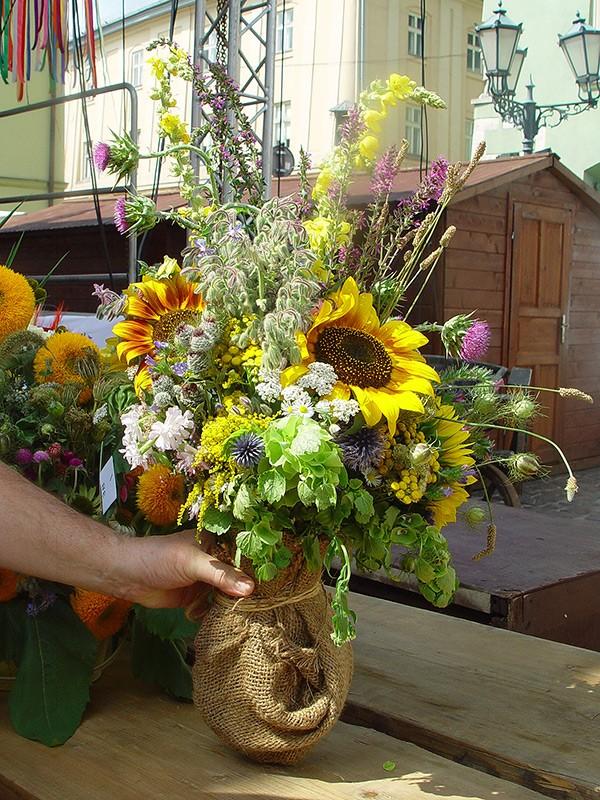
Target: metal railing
x=130 y=186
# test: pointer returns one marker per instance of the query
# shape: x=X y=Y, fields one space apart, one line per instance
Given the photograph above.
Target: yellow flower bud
x=368 y=147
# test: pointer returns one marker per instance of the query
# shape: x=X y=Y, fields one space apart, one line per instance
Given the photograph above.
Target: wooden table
x=543 y=579
x=456 y=692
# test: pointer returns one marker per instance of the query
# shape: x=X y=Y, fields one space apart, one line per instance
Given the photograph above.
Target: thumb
x=205 y=568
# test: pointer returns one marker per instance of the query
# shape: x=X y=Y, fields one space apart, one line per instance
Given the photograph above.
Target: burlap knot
x=268 y=679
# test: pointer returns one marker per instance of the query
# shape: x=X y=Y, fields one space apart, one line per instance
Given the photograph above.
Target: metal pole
x=233 y=69
x=267 y=134
x=199 y=17
x=530 y=126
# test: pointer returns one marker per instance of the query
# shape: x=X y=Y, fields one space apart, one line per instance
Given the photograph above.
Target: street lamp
x=503 y=60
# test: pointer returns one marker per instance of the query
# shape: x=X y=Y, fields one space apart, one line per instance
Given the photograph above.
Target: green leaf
x=248 y=544
x=55 y=670
x=216 y=521
x=325 y=496
x=12 y=630
x=166 y=623
x=363 y=502
x=266 y=534
x=242 y=503
x=389 y=766
x=272 y=485
x=161 y=662
x=424 y=571
x=266 y=571
x=305 y=493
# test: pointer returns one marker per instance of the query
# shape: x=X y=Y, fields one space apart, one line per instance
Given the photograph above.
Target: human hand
x=174 y=570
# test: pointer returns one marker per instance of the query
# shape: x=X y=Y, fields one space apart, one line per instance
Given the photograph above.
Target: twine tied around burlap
x=267 y=677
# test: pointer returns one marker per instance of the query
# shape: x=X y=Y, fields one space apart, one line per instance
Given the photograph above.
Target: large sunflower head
x=17 y=302
x=160 y=495
x=155 y=310
x=379 y=364
x=67 y=358
x=102 y=614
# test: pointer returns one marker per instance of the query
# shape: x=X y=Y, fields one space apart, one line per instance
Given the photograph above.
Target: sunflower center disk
x=358 y=358
x=166 y=327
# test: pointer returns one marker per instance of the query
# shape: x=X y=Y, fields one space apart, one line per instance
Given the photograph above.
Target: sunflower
x=102 y=614
x=378 y=364
x=65 y=358
x=454 y=451
x=160 y=494
x=9 y=584
x=17 y=302
x=155 y=309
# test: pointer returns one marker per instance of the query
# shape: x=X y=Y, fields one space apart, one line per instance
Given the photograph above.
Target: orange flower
x=102 y=614
x=160 y=495
x=155 y=309
x=9 y=582
x=62 y=359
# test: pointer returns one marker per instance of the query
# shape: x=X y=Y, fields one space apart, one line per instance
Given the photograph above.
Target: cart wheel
x=498 y=481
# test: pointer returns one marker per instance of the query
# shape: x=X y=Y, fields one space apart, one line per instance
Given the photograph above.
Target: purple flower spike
x=101 y=155
x=40 y=455
x=180 y=368
x=120 y=217
x=476 y=341
x=23 y=456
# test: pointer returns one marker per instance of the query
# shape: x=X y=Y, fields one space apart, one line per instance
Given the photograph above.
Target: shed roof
x=488 y=174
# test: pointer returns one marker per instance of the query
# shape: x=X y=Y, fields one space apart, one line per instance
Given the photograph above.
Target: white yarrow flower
x=320 y=377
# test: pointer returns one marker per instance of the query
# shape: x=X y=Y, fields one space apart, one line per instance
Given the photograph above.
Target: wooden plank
x=457 y=258
x=136 y=744
x=518 y=707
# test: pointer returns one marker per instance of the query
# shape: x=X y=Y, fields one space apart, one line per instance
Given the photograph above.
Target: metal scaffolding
x=244 y=33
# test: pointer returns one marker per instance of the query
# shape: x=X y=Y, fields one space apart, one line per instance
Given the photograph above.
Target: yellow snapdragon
x=322 y=184
x=400 y=85
x=319 y=232
x=172 y=126
x=372 y=119
x=167 y=269
x=368 y=147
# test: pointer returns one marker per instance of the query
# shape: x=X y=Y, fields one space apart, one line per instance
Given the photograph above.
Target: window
x=284 y=38
x=468 y=138
x=282 y=121
x=137 y=67
x=473 y=53
x=415 y=35
x=210 y=48
x=413 y=129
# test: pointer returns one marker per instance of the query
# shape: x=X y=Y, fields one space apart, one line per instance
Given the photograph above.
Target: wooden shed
x=526 y=255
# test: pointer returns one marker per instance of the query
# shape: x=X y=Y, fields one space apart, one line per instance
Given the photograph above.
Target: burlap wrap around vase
x=267 y=677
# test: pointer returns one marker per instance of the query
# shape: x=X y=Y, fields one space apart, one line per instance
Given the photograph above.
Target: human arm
x=41 y=536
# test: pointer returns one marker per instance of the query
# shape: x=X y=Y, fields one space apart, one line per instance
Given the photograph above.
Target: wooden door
x=539 y=295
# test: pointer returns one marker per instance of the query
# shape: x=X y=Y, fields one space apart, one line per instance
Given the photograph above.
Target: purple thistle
x=101 y=155
x=120 y=216
x=362 y=450
x=40 y=455
x=384 y=172
x=23 y=456
x=476 y=341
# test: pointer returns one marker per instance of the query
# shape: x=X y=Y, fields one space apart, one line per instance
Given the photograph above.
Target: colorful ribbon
x=34 y=33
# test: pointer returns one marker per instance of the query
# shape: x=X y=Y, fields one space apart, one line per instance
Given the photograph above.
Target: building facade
x=326 y=53
x=575 y=140
x=31 y=157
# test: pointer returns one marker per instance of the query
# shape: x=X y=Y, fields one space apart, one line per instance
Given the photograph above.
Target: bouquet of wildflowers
x=61 y=400
x=284 y=404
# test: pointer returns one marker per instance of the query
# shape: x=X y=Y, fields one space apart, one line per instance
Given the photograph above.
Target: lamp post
x=503 y=60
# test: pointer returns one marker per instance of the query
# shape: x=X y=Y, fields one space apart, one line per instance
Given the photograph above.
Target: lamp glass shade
x=499 y=37
x=515 y=70
x=581 y=46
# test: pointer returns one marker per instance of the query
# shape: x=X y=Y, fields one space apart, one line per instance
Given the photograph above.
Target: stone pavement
x=548 y=496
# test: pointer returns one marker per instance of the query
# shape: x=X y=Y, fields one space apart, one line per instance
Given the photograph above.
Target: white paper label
x=108 y=485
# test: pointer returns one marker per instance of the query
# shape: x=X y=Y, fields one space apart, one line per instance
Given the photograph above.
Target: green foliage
x=12 y=633
x=166 y=623
x=161 y=661
x=51 y=690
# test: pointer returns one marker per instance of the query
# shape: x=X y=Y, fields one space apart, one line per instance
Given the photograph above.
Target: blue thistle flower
x=248 y=449
x=363 y=450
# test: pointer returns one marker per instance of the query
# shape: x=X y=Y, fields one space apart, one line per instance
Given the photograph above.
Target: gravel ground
x=548 y=496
